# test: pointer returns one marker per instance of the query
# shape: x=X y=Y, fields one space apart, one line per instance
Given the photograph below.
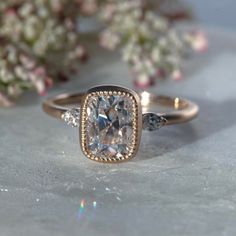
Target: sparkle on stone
x=109 y=126
x=72 y=117
x=152 y=122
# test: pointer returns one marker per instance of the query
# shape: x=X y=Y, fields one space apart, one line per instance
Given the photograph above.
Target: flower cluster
x=151 y=47
x=39 y=44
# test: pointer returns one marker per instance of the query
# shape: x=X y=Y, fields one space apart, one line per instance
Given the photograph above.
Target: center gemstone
x=109 y=128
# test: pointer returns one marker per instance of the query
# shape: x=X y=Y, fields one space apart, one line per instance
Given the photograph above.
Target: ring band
x=111 y=118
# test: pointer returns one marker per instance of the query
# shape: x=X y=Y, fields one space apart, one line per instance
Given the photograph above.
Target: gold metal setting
x=182 y=111
x=136 y=123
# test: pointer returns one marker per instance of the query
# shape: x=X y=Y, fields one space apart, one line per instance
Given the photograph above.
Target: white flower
x=14 y=90
x=144 y=30
x=26 y=9
x=5 y=76
x=143 y=78
x=21 y=73
x=43 y=12
x=156 y=55
x=109 y=40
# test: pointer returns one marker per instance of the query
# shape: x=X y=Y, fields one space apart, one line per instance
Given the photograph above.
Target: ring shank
x=182 y=109
x=58 y=105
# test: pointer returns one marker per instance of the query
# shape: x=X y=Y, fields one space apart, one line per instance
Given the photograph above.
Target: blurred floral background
x=40 y=41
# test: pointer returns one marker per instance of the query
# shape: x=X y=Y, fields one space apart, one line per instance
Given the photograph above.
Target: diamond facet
x=72 y=117
x=152 y=121
x=109 y=125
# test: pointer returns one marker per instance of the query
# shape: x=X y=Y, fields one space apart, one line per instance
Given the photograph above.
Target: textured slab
x=182 y=181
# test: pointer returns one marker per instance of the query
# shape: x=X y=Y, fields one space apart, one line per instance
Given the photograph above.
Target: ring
x=111 y=118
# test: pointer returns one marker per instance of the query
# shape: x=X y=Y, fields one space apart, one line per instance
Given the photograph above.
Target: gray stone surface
x=182 y=182
x=214 y=13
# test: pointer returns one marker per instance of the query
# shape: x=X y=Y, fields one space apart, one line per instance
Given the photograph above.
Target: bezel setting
x=106 y=92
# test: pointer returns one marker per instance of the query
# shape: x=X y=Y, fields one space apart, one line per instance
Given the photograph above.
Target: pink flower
x=39 y=71
x=5 y=101
x=28 y=62
x=48 y=82
x=199 y=41
x=56 y=6
x=109 y=40
x=82 y=53
x=40 y=87
x=10 y=12
x=38 y=81
x=109 y=10
x=144 y=81
x=89 y=7
x=176 y=75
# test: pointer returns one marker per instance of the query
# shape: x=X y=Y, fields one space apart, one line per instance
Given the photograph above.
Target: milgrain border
x=136 y=123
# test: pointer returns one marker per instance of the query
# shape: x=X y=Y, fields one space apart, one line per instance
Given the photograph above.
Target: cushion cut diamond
x=109 y=126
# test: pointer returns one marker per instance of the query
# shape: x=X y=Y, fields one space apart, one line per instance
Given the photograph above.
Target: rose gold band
x=59 y=104
x=182 y=110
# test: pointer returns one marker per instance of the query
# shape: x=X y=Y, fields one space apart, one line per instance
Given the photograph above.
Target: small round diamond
x=152 y=122
x=72 y=117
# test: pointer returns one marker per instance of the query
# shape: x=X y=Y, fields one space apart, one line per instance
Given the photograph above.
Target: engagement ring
x=111 y=118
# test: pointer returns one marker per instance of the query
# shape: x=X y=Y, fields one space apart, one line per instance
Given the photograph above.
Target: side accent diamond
x=72 y=117
x=152 y=122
